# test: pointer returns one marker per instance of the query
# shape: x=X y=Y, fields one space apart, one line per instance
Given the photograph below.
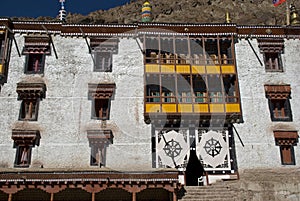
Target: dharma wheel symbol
x=172 y=148
x=212 y=147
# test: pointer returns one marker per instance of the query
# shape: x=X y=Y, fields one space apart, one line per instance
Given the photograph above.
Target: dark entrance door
x=194 y=170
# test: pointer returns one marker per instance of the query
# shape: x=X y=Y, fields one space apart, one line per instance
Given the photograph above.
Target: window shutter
x=286 y=152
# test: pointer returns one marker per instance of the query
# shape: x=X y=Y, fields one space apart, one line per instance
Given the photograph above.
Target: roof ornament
x=294 y=16
x=227 y=17
x=146 y=12
x=62 y=12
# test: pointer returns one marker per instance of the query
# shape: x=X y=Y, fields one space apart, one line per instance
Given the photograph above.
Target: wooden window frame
x=273 y=62
x=280 y=110
x=24 y=141
x=286 y=140
x=101 y=96
x=21 y=156
x=102 y=49
x=99 y=140
x=30 y=114
x=279 y=104
x=30 y=94
x=287 y=157
x=35 y=63
x=272 y=48
x=103 y=61
x=35 y=49
x=102 y=105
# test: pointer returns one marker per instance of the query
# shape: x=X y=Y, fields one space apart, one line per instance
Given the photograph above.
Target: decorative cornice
x=100 y=137
x=278 y=91
x=102 y=91
x=26 y=137
x=289 y=138
x=123 y=30
x=31 y=90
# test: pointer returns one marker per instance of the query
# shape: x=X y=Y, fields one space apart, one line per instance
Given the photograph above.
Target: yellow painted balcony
x=152 y=68
x=213 y=69
x=228 y=69
x=183 y=69
x=233 y=108
x=193 y=108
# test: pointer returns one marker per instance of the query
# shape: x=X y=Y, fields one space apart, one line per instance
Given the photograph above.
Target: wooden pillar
x=52 y=197
x=10 y=197
x=174 y=196
x=133 y=196
x=93 y=196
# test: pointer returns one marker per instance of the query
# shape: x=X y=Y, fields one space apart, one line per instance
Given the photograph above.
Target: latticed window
x=30 y=94
x=279 y=104
x=103 y=61
x=101 y=95
x=286 y=140
x=99 y=140
x=29 y=110
x=35 y=63
x=24 y=141
x=102 y=51
x=35 y=49
x=272 y=50
x=100 y=109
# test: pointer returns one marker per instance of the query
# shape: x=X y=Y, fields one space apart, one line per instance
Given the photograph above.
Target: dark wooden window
x=280 y=110
x=98 y=154
x=99 y=140
x=35 y=49
x=100 y=109
x=23 y=156
x=29 y=110
x=286 y=140
x=272 y=48
x=287 y=155
x=24 y=141
x=103 y=61
x=279 y=102
x=101 y=95
x=273 y=61
x=34 y=63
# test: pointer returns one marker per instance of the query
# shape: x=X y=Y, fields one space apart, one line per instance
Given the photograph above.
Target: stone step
x=219 y=191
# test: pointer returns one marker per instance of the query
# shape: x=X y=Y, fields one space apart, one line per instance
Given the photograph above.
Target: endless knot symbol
x=212 y=147
x=172 y=148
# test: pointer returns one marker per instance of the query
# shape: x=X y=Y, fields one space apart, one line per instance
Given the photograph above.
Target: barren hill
x=243 y=12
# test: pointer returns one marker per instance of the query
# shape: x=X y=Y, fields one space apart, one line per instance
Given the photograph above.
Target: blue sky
x=35 y=8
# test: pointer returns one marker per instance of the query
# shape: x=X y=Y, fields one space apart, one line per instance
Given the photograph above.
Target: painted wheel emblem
x=172 y=148
x=212 y=147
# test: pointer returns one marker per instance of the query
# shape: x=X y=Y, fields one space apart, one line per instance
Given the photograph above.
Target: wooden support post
x=174 y=196
x=10 y=197
x=133 y=196
x=93 y=196
x=52 y=197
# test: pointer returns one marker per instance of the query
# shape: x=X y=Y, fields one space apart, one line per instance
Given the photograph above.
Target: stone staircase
x=278 y=184
x=219 y=191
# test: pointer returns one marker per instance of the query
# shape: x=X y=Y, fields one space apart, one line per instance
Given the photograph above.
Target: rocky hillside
x=250 y=12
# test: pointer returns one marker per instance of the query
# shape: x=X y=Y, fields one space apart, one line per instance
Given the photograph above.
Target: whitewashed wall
x=65 y=114
x=257 y=129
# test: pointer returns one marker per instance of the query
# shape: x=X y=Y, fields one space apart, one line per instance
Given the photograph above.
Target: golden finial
x=294 y=16
x=227 y=17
